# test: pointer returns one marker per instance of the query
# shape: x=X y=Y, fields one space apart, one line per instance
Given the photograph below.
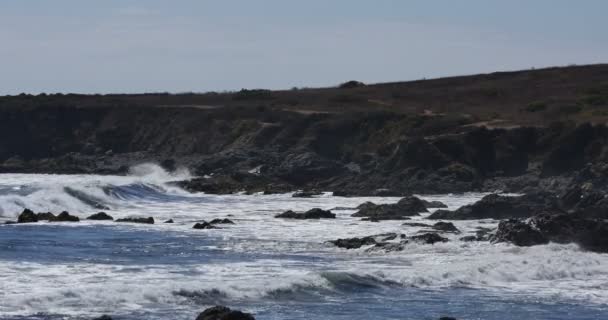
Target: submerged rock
x=306 y=194
x=27 y=216
x=221 y=221
x=100 y=216
x=310 y=214
x=355 y=243
x=148 y=220
x=406 y=207
x=169 y=221
x=204 y=225
x=223 y=313
x=103 y=317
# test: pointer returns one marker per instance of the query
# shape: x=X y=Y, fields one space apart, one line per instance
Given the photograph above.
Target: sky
x=128 y=46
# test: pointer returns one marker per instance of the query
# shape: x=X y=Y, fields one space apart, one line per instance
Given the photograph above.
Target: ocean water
x=274 y=268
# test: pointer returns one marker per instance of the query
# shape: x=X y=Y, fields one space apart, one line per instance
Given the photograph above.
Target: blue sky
x=102 y=46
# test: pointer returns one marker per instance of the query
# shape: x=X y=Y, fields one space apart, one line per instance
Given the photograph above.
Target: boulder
x=519 y=233
x=169 y=221
x=306 y=194
x=148 y=220
x=100 y=216
x=221 y=221
x=496 y=206
x=434 y=204
x=406 y=207
x=310 y=214
x=65 y=217
x=223 y=313
x=27 y=216
x=355 y=243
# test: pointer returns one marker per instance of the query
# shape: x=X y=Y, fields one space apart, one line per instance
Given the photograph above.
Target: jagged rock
x=355 y=243
x=406 y=207
x=223 y=313
x=27 y=216
x=445 y=227
x=148 y=220
x=429 y=238
x=519 y=233
x=496 y=206
x=65 y=217
x=310 y=214
x=100 y=216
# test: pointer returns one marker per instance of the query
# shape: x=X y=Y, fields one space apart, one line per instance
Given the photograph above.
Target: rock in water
x=519 y=233
x=221 y=221
x=45 y=216
x=103 y=317
x=445 y=227
x=355 y=243
x=429 y=238
x=204 y=225
x=434 y=204
x=310 y=214
x=27 y=216
x=169 y=221
x=100 y=216
x=65 y=217
x=223 y=313
x=306 y=194
x=496 y=206
x=148 y=220
x=406 y=207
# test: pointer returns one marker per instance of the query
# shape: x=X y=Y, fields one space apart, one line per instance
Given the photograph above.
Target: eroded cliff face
x=262 y=148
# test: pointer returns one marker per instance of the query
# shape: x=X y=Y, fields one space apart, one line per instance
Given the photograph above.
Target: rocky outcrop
x=590 y=234
x=445 y=227
x=221 y=221
x=223 y=313
x=27 y=216
x=406 y=207
x=204 y=225
x=356 y=243
x=65 y=217
x=428 y=238
x=148 y=220
x=496 y=206
x=310 y=214
x=100 y=216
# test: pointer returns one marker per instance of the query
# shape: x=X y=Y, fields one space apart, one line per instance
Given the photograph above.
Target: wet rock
x=387 y=247
x=434 y=204
x=519 y=233
x=223 y=313
x=447 y=318
x=148 y=220
x=306 y=194
x=445 y=227
x=429 y=238
x=103 y=317
x=45 y=216
x=169 y=221
x=310 y=214
x=468 y=238
x=406 y=207
x=204 y=225
x=10 y=222
x=416 y=224
x=65 y=217
x=27 y=216
x=221 y=221
x=496 y=206
x=355 y=243
x=100 y=216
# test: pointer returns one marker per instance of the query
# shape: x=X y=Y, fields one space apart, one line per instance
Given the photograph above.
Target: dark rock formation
x=355 y=243
x=496 y=206
x=169 y=221
x=148 y=220
x=204 y=225
x=310 y=214
x=306 y=194
x=100 y=216
x=223 y=313
x=27 y=216
x=221 y=221
x=445 y=227
x=519 y=233
x=103 y=317
x=45 y=216
x=65 y=217
x=429 y=238
x=406 y=207
x=434 y=204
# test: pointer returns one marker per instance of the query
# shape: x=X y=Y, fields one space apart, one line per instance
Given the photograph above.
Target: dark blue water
x=348 y=296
